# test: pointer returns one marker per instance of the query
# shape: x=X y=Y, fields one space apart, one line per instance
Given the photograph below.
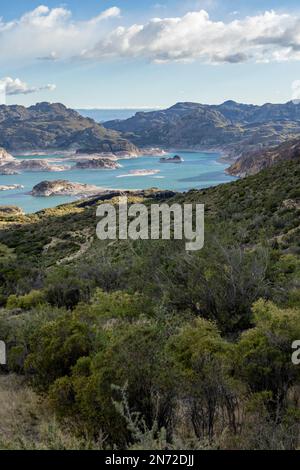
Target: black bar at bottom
x=147 y=459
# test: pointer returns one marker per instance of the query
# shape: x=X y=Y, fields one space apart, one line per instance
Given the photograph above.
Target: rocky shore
x=8 y=172
x=153 y=151
x=32 y=165
x=140 y=173
x=11 y=187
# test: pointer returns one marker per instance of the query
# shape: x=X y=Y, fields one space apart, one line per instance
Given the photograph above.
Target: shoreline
x=155 y=151
x=223 y=155
x=220 y=156
x=144 y=151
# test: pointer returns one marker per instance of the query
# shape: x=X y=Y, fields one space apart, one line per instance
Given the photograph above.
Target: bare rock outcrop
x=97 y=164
x=5 y=156
x=64 y=188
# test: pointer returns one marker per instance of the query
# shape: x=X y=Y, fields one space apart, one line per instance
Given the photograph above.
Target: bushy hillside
x=140 y=344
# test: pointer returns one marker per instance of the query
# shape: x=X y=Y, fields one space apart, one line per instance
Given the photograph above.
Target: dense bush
x=26 y=302
x=64 y=289
x=111 y=372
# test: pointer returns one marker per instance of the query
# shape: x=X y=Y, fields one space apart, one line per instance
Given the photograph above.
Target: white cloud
x=52 y=34
x=194 y=36
x=113 y=12
x=16 y=86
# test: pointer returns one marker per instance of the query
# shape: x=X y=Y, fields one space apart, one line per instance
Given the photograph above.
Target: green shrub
x=264 y=354
x=120 y=305
x=133 y=356
x=55 y=347
x=26 y=302
x=67 y=293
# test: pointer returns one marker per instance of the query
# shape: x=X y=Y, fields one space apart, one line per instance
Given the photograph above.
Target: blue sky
x=129 y=53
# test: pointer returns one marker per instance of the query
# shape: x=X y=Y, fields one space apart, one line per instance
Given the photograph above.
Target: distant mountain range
x=103 y=115
x=48 y=126
x=233 y=127
x=254 y=137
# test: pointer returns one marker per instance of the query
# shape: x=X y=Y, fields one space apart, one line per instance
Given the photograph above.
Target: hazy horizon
x=153 y=108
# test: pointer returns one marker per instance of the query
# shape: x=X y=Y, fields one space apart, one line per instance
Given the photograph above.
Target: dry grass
x=27 y=423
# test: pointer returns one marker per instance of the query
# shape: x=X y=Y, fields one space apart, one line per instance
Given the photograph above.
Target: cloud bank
x=12 y=87
x=266 y=37
x=52 y=34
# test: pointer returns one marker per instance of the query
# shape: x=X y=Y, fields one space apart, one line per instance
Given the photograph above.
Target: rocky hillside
x=255 y=162
x=231 y=126
x=48 y=126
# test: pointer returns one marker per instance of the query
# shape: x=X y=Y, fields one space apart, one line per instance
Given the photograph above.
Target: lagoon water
x=199 y=170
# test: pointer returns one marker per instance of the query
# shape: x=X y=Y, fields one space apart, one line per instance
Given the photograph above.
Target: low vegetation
x=142 y=345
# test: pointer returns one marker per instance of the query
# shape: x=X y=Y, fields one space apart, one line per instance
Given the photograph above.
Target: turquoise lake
x=199 y=170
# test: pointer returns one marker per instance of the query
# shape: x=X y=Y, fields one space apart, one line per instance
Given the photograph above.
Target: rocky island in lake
x=65 y=188
x=175 y=159
x=97 y=164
